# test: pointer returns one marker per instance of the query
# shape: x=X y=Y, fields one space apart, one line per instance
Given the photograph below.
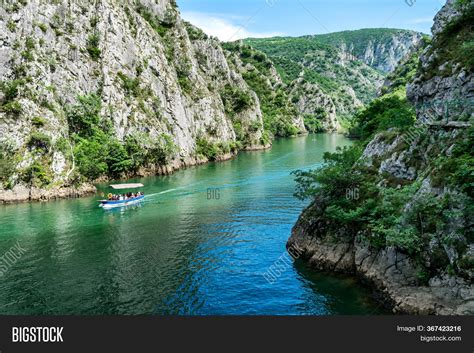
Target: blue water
x=198 y=245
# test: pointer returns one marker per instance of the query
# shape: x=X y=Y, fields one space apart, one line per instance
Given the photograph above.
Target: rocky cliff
x=381 y=48
x=331 y=76
x=399 y=213
x=443 y=90
x=315 y=105
x=280 y=114
x=97 y=89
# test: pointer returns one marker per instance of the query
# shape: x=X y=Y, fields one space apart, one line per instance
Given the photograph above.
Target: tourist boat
x=108 y=204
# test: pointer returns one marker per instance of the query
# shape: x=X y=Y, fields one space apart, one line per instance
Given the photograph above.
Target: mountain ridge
x=329 y=76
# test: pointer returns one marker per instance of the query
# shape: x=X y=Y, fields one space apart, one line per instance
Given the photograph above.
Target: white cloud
x=422 y=20
x=223 y=27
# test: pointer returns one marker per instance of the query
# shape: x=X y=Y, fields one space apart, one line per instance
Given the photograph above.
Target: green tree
x=84 y=117
x=91 y=158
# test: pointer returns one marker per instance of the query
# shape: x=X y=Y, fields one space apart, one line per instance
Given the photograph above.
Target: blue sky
x=234 y=19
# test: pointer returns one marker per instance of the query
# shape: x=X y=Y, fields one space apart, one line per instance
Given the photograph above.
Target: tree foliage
x=99 y=153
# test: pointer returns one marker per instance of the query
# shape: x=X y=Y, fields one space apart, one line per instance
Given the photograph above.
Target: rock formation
x=159 y=81
x=442 y=92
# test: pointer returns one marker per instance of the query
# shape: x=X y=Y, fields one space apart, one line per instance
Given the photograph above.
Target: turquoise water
x=197 y=245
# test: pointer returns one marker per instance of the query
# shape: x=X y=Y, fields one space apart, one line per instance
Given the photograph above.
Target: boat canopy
x=126 y=186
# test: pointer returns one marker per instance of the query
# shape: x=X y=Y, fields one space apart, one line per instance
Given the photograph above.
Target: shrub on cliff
x=161 y=26
x=207 y=149
x=194 y=32
x=235 y=100
x=454 y=45
x=90 y=158
x=117 y=158
x=389 y=111
x=313 y=122
x=130 y=85
x=13 y=109
x=37 y=174
x=102 y=155
x=6 y=164
x=40 y=141
x=84 y=116
x=162 y=151
x=457 y=169
x=334 y=178
x=93 y=46
x=97 y=152
x=10 y=89
x=145 y=151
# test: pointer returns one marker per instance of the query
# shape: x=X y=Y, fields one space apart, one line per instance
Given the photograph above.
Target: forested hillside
x=331 y=76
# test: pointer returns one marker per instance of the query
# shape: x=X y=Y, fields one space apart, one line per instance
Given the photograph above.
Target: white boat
x=108 y=204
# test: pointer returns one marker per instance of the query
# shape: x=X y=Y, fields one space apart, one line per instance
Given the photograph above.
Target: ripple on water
x=178 y=252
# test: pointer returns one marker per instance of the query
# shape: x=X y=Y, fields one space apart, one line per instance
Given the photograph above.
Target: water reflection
x=177 y=252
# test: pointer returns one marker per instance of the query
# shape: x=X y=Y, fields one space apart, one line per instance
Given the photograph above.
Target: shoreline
x=23 y=194
x=390 y=274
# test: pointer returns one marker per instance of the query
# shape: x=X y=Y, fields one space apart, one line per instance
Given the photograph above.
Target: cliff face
x=330 y=76
x=443 y=90
x=380 y=48
x=312 y=101
x=147 y=76
x=384 y=54
x=280 y=116
x=418 y=251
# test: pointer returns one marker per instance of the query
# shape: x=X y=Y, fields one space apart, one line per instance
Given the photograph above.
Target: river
x=197 y=245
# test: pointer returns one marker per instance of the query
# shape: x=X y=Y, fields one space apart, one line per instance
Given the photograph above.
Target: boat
x=126 y=201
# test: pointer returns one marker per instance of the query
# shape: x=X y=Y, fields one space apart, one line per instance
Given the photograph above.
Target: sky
x=231 y=20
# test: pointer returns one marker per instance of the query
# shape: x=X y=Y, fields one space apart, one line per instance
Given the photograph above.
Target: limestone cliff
x=382 y=49
x=312 y=101
x=280 y=116
x=132 y=76
x=331 y=76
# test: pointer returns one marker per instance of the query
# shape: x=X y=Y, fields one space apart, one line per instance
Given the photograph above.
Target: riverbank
x=392 y=275
x=22 y=193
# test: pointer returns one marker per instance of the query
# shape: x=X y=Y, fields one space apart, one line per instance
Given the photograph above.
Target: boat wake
x=169 y=190
x=160 y=193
